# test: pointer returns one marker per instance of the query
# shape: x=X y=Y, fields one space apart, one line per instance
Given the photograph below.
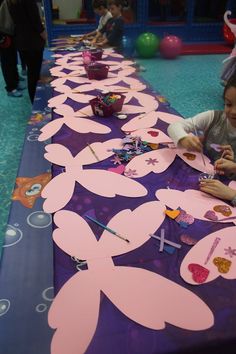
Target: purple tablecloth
x=115 y=332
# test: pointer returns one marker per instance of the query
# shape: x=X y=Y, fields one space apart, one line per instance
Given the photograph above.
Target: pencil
x=93 y=152
x=107 y=228
x=195 y=131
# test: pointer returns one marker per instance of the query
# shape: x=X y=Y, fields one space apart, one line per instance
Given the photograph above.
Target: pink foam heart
x=211 y=215
x=188 y=240
x=199 y=273
x=184 y=217
x=153 y=133
x=119 y=169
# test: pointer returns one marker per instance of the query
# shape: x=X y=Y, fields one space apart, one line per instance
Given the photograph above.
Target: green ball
x=147 y=45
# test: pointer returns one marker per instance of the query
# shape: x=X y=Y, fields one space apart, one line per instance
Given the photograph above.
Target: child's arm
x=90 y=34
x=180 y=131
x=217 y=189
x=97 y=37
x=224 y=166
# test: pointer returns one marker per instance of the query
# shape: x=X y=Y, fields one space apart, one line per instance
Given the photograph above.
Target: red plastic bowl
x=97 y=71
x=100 y=108
x=96 y=54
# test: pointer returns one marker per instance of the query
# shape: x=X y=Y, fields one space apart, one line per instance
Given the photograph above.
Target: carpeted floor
x=190 y=83
x=14 y=113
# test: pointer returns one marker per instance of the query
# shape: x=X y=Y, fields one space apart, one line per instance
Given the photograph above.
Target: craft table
x=150 y=302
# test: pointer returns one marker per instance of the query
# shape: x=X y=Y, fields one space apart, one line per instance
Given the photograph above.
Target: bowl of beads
x=205 y=175
x=97 y=71
x=107 y=104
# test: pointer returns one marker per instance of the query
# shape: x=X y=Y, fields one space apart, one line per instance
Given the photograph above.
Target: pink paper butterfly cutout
x=126 y=287
x=200 y=203
x=68 y=93
x=59 y=190
x=76 y=79
x=198 y=254
x=143 y=165
x=71 y=119
x=149 y=120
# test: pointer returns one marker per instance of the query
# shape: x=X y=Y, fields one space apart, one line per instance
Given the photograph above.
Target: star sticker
x=151 y=161
x=116 y=160
x=230 y=252
x=130 y=173
x=29 y=189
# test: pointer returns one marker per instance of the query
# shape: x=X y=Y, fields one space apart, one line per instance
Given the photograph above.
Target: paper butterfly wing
x=153 y=135
x=197 y=163
x=80 y=97
x=156 y=161
x=146 y=100
x=58 y=154
x=198 y=254
x=50 y=129
x=140 y=295
x=131 y=109
x=201 y=202
x=150 y=120
x=84 y=125
x=55 y=193
x=57 y=100
x=74 y=236
x=134 y=225
x=109 y=184
x=140 y=122
x=74 y=314
x=102 y=151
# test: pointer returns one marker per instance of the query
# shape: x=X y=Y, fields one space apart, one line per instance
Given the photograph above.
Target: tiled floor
x=190 y=83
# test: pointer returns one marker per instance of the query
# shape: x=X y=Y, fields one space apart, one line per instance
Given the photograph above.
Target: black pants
x=8 y=58
x=33 y=61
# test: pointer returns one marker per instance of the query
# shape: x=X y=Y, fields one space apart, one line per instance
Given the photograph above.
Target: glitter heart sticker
x=189 y=156
x=199 y=273
x=184 y=218
x=222 y=264
x=223 y=209
x=153 y=133
x=188 y=240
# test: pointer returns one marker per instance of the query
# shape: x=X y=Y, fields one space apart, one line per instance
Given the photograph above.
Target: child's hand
x=227 y=152
x=191 y=143
x=217 y=189
x=223 y=166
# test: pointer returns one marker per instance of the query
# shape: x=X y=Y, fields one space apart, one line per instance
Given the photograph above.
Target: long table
x=147 y=309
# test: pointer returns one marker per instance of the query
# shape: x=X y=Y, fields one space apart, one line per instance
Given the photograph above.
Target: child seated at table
x=100 y=9
x=218 y=128
x=111 y=34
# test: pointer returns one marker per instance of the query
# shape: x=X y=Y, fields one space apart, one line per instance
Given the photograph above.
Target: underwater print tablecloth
x=145 y=296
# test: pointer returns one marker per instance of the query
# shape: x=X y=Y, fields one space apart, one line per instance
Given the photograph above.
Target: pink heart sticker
x=119 y=169
x=153 y=133
x=211 y=215
x=188 y=240
x=199 y=273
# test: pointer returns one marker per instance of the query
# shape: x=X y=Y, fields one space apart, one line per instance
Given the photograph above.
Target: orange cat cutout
x=29 y=188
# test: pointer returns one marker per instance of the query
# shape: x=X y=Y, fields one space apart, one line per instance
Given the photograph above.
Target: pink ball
x=170 y=47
